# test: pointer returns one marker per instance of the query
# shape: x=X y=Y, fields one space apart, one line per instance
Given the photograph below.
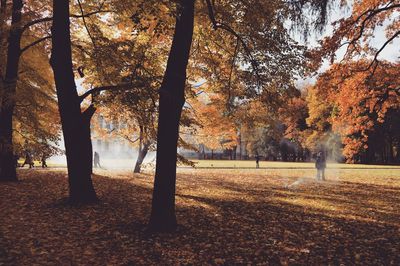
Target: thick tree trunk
x=7 y=165
x=172 y=98
x=75 y=125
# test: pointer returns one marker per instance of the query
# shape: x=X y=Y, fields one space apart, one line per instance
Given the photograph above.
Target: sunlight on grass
x=271 y=164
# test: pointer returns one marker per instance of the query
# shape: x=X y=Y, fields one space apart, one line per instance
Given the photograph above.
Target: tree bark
x=3 y=4
x=75 y=124
x=143 y=149
x=172 y=98
x=7 y=165
x=142 y=154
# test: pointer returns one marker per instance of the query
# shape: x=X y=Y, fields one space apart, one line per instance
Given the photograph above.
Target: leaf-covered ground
x=226 y=217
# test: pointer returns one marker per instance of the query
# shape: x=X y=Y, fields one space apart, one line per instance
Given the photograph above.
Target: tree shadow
x=252 y=225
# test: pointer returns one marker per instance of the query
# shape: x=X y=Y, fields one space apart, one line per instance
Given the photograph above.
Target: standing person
x=43 y=159
x=320 y=164
x=257 y=161
x=28 y=160
x=96 y=160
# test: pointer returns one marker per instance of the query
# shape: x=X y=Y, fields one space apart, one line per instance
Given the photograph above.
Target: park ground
x=277 y=215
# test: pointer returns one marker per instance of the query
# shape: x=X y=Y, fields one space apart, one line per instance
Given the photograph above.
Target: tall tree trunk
x=3 y=4
x=143 y=149
x=172 y=98
x=7 y=165
x=75 y=125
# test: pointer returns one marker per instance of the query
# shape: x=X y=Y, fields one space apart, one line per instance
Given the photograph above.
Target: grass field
x=228 y=164
x=271 y=164
x=275 y=216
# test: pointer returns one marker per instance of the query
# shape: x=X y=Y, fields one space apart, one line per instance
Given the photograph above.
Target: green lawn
x=269 y=164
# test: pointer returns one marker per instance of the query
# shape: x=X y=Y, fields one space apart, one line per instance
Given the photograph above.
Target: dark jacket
x=320 y=163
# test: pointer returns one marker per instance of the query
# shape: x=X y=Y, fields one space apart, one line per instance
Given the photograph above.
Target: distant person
x=43 y=160
x=28 y=160
x=257 y=161
x=96 y=160
x=320 y=164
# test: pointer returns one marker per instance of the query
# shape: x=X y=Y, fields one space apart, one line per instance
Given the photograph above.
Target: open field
x=228 y=164
x=227 y=216
x=272 y=164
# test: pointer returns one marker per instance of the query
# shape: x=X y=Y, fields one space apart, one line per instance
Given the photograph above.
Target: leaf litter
x=225 y=218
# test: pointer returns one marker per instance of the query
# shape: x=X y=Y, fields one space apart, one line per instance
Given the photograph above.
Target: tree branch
x=46 y=19
x=383 y=47
x=369 y=14
x=35 y=43
x=221 y=25
x=231 y=71
x=125 y=86
x=85 y=24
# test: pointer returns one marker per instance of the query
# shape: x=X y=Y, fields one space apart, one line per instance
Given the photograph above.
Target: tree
x=9 y=79
x=27 y=20
x=365 y=106
x=171 y=102
x=75 y=123
x=271 y=59
x=21 y=40
x=35 y=118
x=294 y=117
x=7 y=168
x=357 y=31
x=216 y=130
x=132 y=59
x=360 y=108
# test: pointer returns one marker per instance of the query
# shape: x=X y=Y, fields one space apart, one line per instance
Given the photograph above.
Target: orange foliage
x=353 y=102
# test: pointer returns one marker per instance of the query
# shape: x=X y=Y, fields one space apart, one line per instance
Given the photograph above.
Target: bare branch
x=231 y=71
x=126 y=137
x=35 y=43
x=129 y=139
x=85 y=24
x=221 y=25
x=125 y=86
x=34 y=22
x=383 y=47
x=369 y=14
x=46 y=19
